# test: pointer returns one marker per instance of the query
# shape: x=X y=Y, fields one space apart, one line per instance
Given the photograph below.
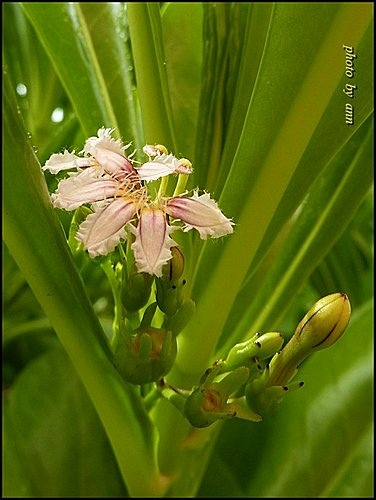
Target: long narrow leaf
x=276 y=169
x=35 y=238
x=67 y=41
x=327 y=211
x=152 y=85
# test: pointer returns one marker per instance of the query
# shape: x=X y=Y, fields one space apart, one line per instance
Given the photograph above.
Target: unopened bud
x=259 y=346
x=173 y=269
x=155 y=150
x=170 y=287
x=325 y=322
x=321 y=327
x=136 y=291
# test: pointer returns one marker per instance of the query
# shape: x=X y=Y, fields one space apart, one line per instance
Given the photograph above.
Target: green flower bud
x=170 y=287
x=147 y=356
x=267 y=401
x=174 y=268
x=323 y=325
x=259 y=346
x=136 y=291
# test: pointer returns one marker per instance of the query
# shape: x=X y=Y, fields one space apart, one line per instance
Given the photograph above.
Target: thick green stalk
x=34 y=237
x=149 y=60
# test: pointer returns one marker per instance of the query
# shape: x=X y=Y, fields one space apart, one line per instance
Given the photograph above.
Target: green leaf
x=35 y=239
x=109 y=35
x=65 y=36
x=149 y=59
x=55 y=443
x=331 y=204
x=290 y=100
x=182 y=35
x=310 y=447
x=31 y=69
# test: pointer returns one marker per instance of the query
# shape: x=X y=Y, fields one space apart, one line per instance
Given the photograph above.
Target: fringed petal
x=66 y=161
x=108 y=152
x=201 y=213
x=163 y=165
x=153 y=243
x=103 y=230
x=85 y=187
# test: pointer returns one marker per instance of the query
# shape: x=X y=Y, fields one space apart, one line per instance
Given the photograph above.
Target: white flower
x=108 y=152
x=106 y=179
x=86 y=187
x=102 y=153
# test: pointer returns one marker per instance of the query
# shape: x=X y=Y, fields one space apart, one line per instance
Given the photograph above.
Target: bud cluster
x=146 y=353
x=257 y=374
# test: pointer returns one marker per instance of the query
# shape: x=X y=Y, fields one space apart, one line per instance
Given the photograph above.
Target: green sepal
x=179 y=320
x=243 y=411
x=145 y=347
x=266 y=401
x=148 y=315
x=147 y=357
x=209 y=402
x=231 y=382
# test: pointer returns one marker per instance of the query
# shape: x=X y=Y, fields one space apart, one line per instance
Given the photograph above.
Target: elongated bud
x=321 y=327
x=173 y=270
x=267 y=400
x=170 y=286
x=185 y=167
x=325 y=322
x=147 y=357
x=259 y=346
x=156 y=149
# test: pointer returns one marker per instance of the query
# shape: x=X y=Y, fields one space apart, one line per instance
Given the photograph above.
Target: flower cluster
x=104 y=177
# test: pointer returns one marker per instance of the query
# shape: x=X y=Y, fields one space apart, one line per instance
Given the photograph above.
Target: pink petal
x=85 y=187
x=201 y=213
x=103 y=230
x=108 y=152
x=153 y=243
